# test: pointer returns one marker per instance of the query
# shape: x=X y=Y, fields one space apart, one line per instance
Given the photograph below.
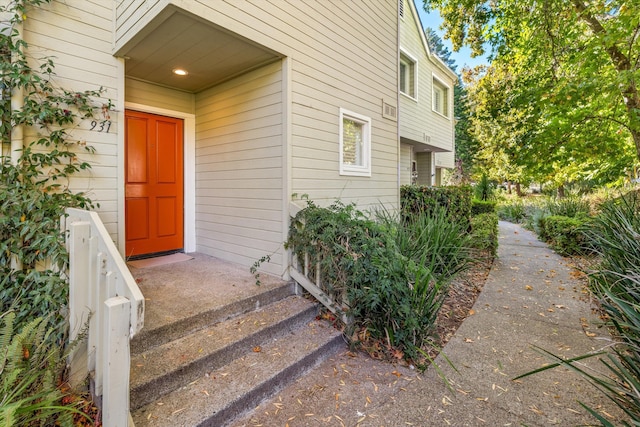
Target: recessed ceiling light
x=180 y=72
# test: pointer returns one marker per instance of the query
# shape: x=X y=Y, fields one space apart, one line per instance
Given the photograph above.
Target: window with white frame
x=440 y=98
x=407 y=75
x=355 y=144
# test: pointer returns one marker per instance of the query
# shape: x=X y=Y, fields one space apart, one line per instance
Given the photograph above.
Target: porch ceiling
x=175 y=39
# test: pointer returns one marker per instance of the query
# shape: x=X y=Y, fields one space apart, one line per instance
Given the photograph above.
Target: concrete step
x=163 y=368
x=204 y=314
x=283 y=334
x=216 y=397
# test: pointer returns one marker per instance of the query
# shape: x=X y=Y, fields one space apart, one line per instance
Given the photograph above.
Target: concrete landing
x=186 y=288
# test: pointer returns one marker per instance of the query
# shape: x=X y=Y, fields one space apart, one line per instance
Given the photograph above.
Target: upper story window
x=440 y=97
x=355 y=144
x=408 y=74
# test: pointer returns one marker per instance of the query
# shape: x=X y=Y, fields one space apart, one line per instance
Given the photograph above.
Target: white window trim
x=449 y=100
x=365 y=169
x=415 y=74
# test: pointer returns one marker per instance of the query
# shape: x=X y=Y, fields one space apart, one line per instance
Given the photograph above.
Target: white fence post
x=79 y=311
x=102 y=292
x=115 y=392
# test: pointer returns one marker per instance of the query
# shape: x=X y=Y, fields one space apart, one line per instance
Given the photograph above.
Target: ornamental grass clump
x=512 y=210
x=435 y=235
x=393 y=274
x=572 y=206
x=616 y=284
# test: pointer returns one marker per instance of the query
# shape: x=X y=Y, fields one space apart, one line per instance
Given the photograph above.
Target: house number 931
x=100 y=126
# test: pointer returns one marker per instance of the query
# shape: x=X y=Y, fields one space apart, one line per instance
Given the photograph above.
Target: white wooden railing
x=306 y=272
x=106 y=310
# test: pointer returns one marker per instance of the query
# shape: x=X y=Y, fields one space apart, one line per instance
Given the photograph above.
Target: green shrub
x=565 y=235
x=482 y=206
x=34 y=190
x=535 y=220
x=615 y=236
x=30 y=232
x=455 y=200
x=394 y=274
x=484 y=235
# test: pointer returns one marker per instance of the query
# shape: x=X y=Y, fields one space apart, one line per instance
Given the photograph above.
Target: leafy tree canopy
x=438 y=48
x=560 y=99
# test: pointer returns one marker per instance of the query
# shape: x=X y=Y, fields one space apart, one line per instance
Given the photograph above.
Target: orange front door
x=153 y=183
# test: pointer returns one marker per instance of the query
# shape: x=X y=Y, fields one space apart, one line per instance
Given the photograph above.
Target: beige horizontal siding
x=445 y=160
x=131 y=15
x=148 y=94
x=239 y=169
x=77 y=35
x=417 y=118
x=342 y=54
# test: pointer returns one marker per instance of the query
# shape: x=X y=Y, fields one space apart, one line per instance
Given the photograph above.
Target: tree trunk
x=518 y=189
x=625 y=66
x=561 y=192
x=508 y=187
x=634 y=124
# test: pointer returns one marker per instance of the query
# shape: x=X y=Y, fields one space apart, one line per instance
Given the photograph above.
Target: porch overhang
x=176 y=39
x=423 y=146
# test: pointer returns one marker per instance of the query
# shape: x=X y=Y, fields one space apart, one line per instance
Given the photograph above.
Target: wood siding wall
x=140 y=92
x=239 y=169
x=343 y=55
x=445 y=160
x=418 y=121
x=77 y=34
x=132 y=15
x=260 y=135
x=353 y=65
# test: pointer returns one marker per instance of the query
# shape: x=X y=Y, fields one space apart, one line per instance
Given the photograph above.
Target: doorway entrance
x=154 y=183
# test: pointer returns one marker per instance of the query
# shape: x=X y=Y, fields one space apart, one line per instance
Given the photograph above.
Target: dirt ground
x=462 y=295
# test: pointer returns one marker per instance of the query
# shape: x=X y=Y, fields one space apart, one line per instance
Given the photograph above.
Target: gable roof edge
x=434 y=58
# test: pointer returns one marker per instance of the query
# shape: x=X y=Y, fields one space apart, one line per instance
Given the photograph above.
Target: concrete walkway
x=531 y=298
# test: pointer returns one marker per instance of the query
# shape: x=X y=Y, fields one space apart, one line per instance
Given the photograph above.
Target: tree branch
x=636 y=31
x=619 y=59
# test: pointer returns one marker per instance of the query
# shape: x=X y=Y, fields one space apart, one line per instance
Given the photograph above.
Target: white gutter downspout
x=17 y=104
